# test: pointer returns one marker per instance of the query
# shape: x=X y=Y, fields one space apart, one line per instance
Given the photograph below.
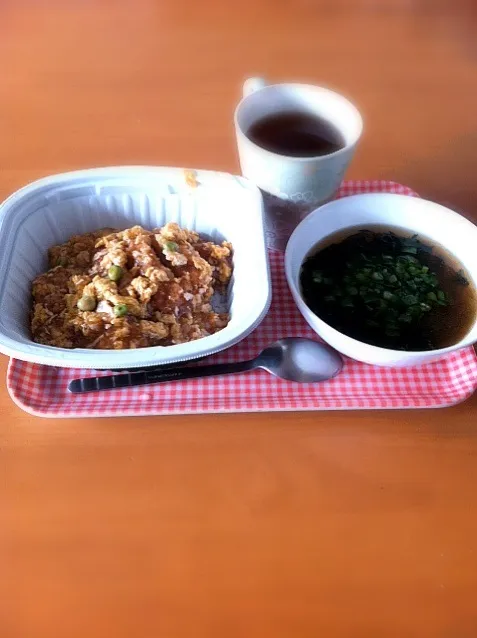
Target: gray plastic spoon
x=293 y=359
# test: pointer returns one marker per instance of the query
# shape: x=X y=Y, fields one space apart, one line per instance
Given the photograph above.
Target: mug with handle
x=293 y=186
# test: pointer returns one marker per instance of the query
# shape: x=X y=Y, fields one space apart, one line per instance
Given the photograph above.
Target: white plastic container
x=51 y=210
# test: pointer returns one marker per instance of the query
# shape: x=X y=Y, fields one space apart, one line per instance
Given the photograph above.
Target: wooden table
x=359 y=525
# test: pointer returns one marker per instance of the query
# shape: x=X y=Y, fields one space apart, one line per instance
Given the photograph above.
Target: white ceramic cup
x=311 y=180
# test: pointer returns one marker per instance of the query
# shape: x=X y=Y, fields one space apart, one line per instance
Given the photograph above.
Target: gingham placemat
x=42 y=390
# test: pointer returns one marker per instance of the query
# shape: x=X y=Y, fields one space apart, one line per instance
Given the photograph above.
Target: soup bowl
x=411 y=215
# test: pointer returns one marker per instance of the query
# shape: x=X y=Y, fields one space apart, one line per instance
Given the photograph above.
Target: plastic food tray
x=42 y=390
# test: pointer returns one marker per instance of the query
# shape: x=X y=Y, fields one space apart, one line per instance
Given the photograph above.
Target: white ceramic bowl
x=53 y=209
x=427 y=219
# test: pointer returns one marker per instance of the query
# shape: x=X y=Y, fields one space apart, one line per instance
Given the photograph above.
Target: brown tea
x=296 y=134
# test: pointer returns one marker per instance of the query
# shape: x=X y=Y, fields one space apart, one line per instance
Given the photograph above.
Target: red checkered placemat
x=42 y=390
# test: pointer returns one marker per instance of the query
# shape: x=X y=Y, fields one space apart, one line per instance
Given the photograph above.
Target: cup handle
x=251 y=85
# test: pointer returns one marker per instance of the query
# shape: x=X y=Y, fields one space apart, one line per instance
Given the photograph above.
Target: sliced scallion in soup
x=389 y=289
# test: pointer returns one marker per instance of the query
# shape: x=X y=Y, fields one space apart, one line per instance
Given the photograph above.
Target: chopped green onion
x=390 y=291
x=410 y=300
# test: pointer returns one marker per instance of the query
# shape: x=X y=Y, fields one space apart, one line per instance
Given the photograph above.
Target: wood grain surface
x=349 y=525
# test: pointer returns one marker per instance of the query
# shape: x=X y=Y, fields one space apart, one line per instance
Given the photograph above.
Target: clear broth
x=443 y=326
